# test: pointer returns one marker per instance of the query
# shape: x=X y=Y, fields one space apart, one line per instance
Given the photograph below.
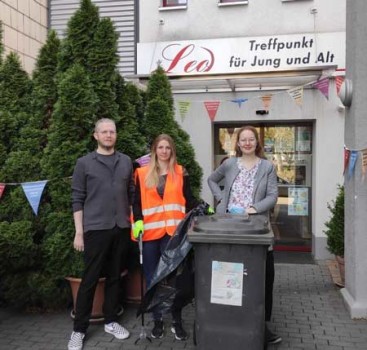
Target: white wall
x=204 y=19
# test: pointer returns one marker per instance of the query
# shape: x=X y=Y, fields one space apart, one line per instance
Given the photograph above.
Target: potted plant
x=335 y=230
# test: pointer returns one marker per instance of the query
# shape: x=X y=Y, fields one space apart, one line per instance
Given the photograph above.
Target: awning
x=283 y=80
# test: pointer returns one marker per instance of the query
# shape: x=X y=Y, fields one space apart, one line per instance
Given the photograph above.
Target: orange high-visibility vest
x=162 y=215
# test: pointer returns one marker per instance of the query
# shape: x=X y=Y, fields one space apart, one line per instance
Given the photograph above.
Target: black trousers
x=269 y=284
x=104 y=255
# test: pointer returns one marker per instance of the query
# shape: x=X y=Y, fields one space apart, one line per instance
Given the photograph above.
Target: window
x=232 y=2
x=170 y=3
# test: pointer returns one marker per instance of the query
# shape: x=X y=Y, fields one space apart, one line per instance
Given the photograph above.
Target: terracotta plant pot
x=340 y=261
x=133 y=286
x=97 y=313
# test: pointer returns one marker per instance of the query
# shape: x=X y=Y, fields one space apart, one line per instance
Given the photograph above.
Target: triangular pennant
x=33 y=192
x=143 y=160
x=297 y=95
x=212 y=108
x=338 y=82
x=364 y=163
x=266 y=101
x=183 y=107
x=2 y=188
x=346 y=159
x=323 y=86
x=352 y=162
x=239 y=101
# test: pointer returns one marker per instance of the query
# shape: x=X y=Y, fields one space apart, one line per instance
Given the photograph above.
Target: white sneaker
x=76 y=341
x=116 y=330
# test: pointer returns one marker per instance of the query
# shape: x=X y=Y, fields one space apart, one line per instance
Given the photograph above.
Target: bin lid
x=232 y=229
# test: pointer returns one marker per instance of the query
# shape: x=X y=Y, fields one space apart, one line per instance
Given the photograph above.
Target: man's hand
x=138 y=228
x=79 y=242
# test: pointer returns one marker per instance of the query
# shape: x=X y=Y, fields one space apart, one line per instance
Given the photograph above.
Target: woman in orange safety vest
x=162 y=198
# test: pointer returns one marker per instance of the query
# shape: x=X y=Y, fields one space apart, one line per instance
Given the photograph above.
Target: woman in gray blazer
x=250 y=186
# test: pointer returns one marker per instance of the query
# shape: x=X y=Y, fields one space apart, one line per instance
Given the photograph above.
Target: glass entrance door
x=289 y=147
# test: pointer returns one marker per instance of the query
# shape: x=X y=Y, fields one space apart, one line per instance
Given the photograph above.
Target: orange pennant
x=346 y=159
x=266 y=101
x=364 y=163
x=338 y=82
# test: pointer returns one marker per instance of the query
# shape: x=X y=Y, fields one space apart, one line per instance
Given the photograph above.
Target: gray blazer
x=265 y=187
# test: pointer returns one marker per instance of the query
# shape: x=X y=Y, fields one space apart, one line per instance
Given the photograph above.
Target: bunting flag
x=183 y=107
x=212 y=108
x=33 y=192
x=323 y=86
x=2 y=188
x=239 y=101
x=364 y=163
x=339 y=80
x=346 y=159
x=143 y=160
x=297 y=95
x=266 y=101
x=352 y=162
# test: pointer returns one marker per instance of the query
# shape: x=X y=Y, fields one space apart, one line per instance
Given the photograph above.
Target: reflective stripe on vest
x=160 y=224
x=163 y=208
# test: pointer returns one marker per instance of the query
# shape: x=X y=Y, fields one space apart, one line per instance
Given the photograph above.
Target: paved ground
x=308 y=313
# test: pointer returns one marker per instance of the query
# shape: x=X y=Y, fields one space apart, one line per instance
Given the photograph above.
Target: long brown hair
x=152 y=178
x=259 y=151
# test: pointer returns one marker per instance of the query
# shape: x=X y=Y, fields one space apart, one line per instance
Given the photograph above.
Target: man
x=102 y=191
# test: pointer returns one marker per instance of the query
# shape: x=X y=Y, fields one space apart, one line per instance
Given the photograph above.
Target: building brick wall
x=24 y=26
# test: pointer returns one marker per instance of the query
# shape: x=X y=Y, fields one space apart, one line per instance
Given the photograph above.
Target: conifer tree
x=70 y=137
x=24 y=282
x=1 y=43
x=79 y=36
x=159 y=118
x=101 y=63
x=130 y=139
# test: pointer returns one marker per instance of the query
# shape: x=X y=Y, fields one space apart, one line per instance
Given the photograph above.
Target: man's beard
x=107 y=148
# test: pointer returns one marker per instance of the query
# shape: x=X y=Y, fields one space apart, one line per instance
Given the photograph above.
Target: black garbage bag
x=172 y=284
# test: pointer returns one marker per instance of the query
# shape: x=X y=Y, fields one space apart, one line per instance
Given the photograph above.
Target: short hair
x=103 y=120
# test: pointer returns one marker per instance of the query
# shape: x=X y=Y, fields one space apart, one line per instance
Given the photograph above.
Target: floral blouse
x=243 y=187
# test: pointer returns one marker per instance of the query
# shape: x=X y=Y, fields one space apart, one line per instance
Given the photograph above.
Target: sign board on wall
x=243 y=55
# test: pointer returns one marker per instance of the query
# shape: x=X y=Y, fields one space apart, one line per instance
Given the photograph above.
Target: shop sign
x=243 y=55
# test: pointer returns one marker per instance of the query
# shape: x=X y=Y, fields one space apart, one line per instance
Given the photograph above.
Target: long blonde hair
x=152 y=177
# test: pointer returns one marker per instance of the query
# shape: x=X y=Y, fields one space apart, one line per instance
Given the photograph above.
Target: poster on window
x=303 y=143
x=298 y=201
x=227 y=283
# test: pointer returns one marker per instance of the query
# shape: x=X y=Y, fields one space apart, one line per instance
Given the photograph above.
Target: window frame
x=164 y=4
x=232 y=3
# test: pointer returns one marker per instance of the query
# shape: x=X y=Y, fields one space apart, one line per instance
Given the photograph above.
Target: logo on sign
x=183 y=57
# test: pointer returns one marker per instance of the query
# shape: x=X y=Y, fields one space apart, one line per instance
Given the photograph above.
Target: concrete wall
x=205 y=19
x=24 y=25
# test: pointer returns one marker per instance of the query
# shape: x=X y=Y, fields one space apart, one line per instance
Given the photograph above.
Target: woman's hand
x=251 y=210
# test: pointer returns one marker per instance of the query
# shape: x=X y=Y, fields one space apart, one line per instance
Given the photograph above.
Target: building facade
x=24 y=27
x=121 y=12
x=274 y=64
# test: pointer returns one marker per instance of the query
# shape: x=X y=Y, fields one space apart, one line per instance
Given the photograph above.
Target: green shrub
x=335 y=226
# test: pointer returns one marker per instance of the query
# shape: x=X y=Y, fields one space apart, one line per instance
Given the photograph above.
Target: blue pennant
x=239 y=101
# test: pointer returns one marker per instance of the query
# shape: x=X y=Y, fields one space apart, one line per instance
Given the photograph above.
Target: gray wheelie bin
x=230 y=253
